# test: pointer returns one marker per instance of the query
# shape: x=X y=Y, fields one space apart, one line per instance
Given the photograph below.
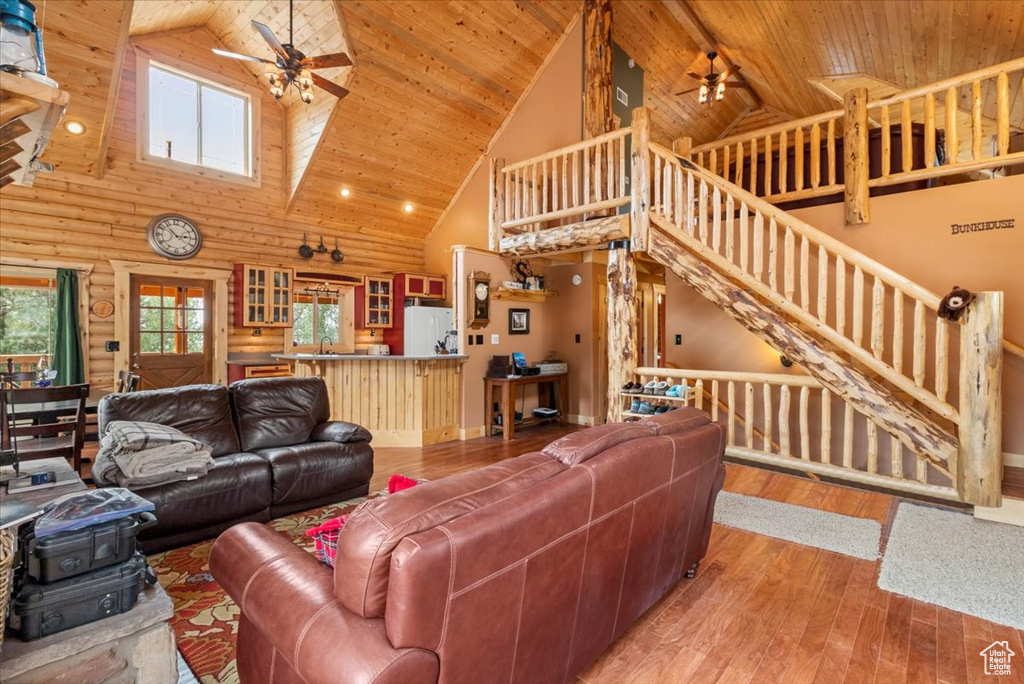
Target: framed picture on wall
x=518 y=321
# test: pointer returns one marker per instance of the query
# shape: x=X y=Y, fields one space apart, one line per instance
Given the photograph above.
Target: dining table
x=51 y=411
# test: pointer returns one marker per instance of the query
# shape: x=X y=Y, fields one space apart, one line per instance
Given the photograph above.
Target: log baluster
x=886 y=143
x=830 y=147
x=716 y=226
x=773 y=249
x=906 y=137
x=877 y=318
x=941 y=358
x=744 y=237
x=952 y=143
x=815 y=155
x=929 y=130
x=857 y=334
x=848 y=427
x=789 y=267
x=730 y=227
x=919 y=343
x=805 y=273
x=731 y=392
x=768 y=166
x=798 y=159
x=748 y=412
x=702 y=217
x=783 y=162
x=766 y=391
x=897 y=331
x=976 y=105
x=805 y=432
x=840 y=295
x=753 y=166
x=826 y=426
x=1002 y=114
x=784 y=446
x=822 y=284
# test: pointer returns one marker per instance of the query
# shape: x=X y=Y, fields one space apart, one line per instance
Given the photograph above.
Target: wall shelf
x=29 y=113
x=513 y=295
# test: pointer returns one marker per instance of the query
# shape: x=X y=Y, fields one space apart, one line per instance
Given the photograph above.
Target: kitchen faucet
x=322 y=344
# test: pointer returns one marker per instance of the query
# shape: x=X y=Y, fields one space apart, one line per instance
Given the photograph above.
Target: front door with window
x=171 y=342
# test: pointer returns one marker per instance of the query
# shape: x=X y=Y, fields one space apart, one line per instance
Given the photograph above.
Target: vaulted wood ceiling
x=434 y=80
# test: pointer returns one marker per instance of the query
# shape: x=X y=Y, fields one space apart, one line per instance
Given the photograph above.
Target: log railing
x=794 y=422
x=569 y=184
x=966 y=123
x=879 y=318
x=976 y=136
x=771 y=163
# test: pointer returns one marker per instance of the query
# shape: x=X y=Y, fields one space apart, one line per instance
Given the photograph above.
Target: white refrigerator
x=425 y=326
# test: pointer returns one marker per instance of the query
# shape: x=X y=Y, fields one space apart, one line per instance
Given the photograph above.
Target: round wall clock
x=174 y=236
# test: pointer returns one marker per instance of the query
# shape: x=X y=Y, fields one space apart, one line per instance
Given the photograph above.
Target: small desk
x=509 y=387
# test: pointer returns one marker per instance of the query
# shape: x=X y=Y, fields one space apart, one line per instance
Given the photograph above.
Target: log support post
x=640 y=179
x=598 y=115
x=622 y=324
x=497 y=213
x=682 y=146
x=855 y=152
x=979 y=472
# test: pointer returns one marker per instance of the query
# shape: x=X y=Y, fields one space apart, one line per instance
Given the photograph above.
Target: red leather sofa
x=522 y=571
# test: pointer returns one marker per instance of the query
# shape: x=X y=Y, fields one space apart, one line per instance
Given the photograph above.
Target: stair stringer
x=912 y=428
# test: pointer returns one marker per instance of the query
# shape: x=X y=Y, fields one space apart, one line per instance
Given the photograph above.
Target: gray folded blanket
x=139 y=454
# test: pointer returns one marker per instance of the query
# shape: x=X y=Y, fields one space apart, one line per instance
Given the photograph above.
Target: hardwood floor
x=761 y=609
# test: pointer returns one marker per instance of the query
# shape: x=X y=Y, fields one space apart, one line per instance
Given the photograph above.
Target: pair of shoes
x=676 y=391
x=662 y=409
x=631 y=387
x=661 y=388
x=645 y=409
x=649 y=387
x=634 y=407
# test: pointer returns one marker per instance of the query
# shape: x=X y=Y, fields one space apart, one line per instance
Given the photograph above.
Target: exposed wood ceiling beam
x=691 y=23
x=115 y=87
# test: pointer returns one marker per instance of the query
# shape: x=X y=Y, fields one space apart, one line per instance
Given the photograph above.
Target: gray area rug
x=956 y=561
x=831 y=531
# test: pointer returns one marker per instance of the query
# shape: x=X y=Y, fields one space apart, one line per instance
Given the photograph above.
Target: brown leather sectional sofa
x=275 y=450
x=523 y=571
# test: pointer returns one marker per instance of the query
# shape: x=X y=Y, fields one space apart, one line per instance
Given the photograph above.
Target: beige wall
x=910 y=233
x=550 y=116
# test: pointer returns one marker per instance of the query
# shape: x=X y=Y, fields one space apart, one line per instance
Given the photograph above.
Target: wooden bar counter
x=402 y=400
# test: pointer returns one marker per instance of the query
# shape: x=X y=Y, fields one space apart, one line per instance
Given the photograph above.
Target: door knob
x=135 y=366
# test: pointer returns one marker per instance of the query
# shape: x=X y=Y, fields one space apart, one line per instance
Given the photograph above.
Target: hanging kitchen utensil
x=336 y=254
x=305 y=251
x=322 y=248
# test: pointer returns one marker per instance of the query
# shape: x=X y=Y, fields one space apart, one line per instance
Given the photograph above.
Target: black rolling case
x=62 y=555
x=43 y=609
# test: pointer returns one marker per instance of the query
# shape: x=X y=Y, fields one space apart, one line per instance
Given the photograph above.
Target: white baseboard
x=1011 y=512
x=1013 y=460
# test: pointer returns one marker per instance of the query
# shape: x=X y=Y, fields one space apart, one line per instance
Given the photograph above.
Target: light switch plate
x=494 y=339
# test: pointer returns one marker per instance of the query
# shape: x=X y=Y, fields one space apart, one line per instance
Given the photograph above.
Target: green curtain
x=67 y=352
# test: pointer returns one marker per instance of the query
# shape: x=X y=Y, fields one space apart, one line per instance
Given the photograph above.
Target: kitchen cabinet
x=379 y=302
x=422 y=286
x=263 y=296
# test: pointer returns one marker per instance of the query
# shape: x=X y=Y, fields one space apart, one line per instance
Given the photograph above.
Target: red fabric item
x=325 y=535
x=397 y=483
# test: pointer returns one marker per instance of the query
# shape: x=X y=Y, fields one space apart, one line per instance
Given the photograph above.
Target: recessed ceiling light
x=345 y=192
x=74 y=127
x=408 y=207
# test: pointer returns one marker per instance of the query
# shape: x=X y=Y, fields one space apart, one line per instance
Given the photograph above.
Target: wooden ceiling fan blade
x=693 y=75
x=337 y=59
x=332 y=88
x=728 y=72
x=271 y=39
x=690 y=90
x=244 y=58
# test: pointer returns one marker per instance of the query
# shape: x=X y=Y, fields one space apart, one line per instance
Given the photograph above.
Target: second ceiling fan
x=291 y=67
x=713 y=84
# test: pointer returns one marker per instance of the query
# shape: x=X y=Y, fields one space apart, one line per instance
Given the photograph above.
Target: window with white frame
x=194 y=121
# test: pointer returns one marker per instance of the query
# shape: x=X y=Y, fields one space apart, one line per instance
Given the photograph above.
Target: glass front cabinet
x=379 y=303
x=263 y=296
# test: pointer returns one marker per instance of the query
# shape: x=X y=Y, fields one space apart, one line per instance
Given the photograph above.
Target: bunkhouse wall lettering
x=980 y=226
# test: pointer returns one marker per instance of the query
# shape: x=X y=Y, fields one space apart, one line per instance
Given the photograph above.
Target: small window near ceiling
x=194 y=121
x=28 y=317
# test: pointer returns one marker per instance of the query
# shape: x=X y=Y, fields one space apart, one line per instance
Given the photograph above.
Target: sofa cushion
x=237 y=486
x=676 y=421
x=203 y=412
x=377 y=526
x=273 y=412
x=307 y=472
x=577 y=447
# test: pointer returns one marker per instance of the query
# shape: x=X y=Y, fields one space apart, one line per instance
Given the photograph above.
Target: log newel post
x=855 y=152
x=640 y=179
x=622 y=324
x=682 y=146
x=980 y=467
x=497 y=213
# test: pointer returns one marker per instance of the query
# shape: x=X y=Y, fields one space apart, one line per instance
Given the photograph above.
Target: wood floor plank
x=835 y=658
x=952 y=665
x=864 y=659
x=925 y=612
x=896 y=639
x=922 y=661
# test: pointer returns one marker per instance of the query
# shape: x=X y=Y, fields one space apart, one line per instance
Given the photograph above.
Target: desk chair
x=48 y=422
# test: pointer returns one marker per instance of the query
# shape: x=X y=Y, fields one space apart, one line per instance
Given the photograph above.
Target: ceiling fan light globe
x=307 y=96
x=702 y=96
x=277 y=92
x=720 y=90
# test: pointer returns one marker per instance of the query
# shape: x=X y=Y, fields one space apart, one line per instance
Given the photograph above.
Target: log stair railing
x=794 y=422
x=965 y=123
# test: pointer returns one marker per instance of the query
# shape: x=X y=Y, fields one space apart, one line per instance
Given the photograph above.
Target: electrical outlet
x=112 y=345
x=257 y=332
x=679 y=339
x=578 y=338
x=480 y=339
x=494 y=339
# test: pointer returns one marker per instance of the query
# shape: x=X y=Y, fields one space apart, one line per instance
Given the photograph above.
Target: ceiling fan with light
x=712 y=85
x=291 y=67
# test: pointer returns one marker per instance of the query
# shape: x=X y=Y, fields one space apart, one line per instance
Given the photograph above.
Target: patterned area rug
x=205 y=618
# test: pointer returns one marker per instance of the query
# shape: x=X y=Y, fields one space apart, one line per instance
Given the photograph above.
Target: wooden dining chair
x=127 y=381
x=45 y=422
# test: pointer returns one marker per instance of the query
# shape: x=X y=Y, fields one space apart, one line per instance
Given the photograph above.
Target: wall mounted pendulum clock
x=479 y=305
x=174 y=236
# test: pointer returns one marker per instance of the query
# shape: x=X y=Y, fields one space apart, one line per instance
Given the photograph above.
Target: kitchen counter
x=401 y=400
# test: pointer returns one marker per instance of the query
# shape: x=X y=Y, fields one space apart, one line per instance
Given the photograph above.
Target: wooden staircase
x=867 y=334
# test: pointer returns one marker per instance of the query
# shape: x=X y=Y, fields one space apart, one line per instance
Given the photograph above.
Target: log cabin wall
x=76 y=218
